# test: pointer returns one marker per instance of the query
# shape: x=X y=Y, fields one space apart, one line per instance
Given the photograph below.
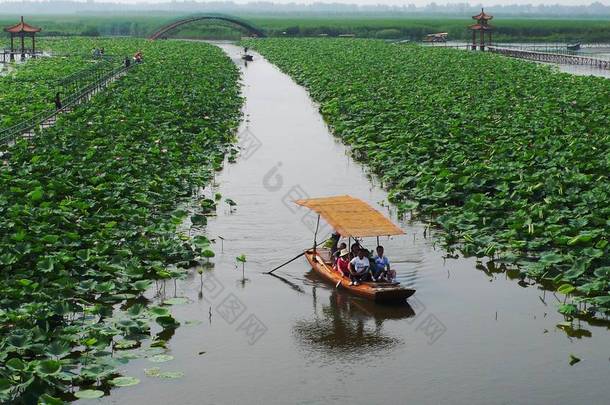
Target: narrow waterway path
x=469 y=336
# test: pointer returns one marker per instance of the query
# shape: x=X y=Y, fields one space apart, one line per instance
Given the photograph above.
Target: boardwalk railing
x=549 y=57
x=44 y=119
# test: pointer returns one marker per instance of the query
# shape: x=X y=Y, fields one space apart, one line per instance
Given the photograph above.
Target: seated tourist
x=382 y=267
x=337 y=252
x=353 y=251
x=342 y=264
x=359 y=267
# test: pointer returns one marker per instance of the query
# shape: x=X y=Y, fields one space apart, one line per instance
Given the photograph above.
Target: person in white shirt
x=359 y=267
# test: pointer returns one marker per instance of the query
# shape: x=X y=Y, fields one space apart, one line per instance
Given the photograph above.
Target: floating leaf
x=161 y=358
x=124 y=381
x=152 y=372
x=152 y=351
x=89 y=394
x=176 y=301
x=171 y=374
x=125 y=344
x=46 y=399
x=158 y=311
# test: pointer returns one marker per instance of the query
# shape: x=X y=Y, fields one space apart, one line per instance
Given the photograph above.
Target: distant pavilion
x=482 y=26
x=22 y=30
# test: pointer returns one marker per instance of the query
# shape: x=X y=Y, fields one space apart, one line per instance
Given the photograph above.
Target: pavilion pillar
x=474 y=40
x=12 y=57
x=22 y=46
x=34 y=46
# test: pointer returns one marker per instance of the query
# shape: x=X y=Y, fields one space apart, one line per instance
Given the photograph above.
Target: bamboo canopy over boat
x=351 y=217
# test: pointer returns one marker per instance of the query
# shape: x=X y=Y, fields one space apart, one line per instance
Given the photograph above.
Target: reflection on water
x=347 y=326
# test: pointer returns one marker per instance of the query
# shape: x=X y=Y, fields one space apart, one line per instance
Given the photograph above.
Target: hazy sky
x=405 y=2
x=395 y=2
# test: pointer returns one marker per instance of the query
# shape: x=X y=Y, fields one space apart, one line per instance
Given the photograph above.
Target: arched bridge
x=236 y=21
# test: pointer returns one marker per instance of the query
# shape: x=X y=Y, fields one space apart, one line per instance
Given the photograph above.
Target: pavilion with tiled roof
x=482 y=26
x=22 y=30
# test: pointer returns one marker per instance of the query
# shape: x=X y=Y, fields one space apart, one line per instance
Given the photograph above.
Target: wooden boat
x=574 y=47
x=247 y=57
x=376 y=291
x=352 y=218
x=437 y=37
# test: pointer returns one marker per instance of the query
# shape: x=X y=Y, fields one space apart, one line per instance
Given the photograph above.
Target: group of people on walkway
x=358 y=265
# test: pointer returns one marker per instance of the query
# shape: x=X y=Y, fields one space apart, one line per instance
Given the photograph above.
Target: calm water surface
x=469 y=335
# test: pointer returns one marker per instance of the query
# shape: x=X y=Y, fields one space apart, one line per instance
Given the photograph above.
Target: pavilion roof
x=22 y=27
x=482 y=16
x=480 y=27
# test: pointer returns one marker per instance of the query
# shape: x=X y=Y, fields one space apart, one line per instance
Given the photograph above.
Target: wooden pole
x=315 y=235
x=12 y=58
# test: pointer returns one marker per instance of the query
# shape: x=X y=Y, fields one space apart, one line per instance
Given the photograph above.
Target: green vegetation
x=508 y=157
x=511 y=29
x=30 y=89
x=88 y=212
x=403 y=26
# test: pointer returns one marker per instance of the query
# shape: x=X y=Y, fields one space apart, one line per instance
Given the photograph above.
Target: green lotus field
x=30 y=89
x=89 y=218
x=509 y=158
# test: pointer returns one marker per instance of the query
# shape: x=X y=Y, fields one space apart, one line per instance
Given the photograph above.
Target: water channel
x=470 y=335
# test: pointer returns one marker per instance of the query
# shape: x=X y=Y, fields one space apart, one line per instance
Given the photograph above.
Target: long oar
x=292 y=285
x=292 y=260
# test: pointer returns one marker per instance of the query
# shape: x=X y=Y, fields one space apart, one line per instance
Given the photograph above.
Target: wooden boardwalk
x=30 y=128
x=550 y=57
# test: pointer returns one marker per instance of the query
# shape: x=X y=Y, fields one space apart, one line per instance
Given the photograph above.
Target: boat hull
x=376 y=291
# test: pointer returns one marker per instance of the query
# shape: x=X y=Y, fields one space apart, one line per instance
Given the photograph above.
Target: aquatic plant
x=30 y=89
x=88 y=212
x=509 y=158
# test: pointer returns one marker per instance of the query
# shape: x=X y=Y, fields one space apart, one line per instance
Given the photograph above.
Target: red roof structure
x=482 y=16
x=22 y=27
x=482 y=26
x=20 y=31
